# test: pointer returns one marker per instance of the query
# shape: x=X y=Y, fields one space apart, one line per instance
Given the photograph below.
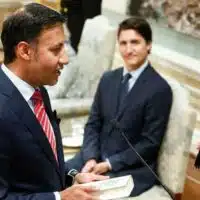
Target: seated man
x=133 y=99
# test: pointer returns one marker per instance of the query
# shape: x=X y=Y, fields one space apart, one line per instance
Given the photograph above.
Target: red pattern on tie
x=43 y=118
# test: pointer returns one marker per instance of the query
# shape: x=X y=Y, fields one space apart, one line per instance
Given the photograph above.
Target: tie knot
x=36 y=97
x=126 y=78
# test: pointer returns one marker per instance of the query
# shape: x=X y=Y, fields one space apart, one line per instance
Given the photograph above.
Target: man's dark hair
x=138 y=24
x=26 y=24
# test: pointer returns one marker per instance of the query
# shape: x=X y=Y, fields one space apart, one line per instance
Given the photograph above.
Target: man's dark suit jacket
x=28 y=169
x=143 y=118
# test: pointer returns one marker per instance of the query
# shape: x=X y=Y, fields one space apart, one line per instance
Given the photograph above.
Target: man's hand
x=79 y=192
x=101 y=168
x=88 y=167
x=88 y=177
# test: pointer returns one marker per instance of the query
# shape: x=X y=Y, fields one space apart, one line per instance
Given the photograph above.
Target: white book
x=113 y=188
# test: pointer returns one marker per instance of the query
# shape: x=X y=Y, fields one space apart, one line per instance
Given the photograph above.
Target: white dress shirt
x=24 y=88
x=26 y=91
x=135 y=74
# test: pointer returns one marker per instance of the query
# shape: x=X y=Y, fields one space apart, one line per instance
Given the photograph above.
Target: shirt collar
x=24 y=88
x=136 y=73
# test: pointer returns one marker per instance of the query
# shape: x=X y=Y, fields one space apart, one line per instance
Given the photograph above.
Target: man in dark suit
x=76 y=12
x=133 y=99
x=31 y=155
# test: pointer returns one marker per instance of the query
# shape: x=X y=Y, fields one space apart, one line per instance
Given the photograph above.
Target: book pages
x=113 y=188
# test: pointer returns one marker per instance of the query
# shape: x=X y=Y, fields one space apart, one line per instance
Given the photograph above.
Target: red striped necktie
x=43 y=118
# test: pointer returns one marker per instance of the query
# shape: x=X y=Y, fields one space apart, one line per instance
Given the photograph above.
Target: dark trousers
x=75 y=163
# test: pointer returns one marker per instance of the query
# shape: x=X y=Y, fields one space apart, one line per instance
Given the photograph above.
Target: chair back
x=175 y=148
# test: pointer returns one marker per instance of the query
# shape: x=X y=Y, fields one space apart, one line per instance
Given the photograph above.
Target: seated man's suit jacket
x=28 y=168
x=143 y=118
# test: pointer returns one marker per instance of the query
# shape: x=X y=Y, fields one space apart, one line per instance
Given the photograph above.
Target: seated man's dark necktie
x=124 y=89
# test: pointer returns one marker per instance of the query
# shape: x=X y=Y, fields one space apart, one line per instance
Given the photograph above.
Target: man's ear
x=149 y=47
x=23 y=50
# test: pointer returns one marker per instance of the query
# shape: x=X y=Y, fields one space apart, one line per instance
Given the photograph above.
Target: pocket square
x=56 y=117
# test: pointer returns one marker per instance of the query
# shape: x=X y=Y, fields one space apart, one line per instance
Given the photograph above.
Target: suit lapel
x=116 y=81
x=21 y=108
x=136 y=89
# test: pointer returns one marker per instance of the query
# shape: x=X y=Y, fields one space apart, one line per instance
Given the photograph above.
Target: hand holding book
x=113 y=188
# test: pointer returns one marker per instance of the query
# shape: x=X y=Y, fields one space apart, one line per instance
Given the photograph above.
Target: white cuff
x=57 y=196
x=110 y=166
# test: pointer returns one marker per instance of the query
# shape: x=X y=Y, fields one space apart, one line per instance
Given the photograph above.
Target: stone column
x=119 y=6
